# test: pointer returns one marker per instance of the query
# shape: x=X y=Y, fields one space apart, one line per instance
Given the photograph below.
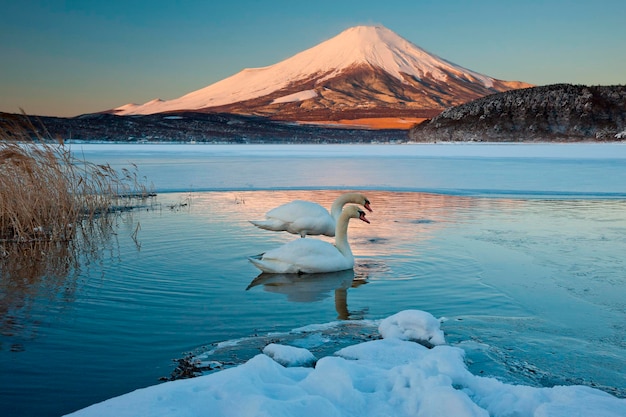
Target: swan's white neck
x=341 y=235
x=342 y=200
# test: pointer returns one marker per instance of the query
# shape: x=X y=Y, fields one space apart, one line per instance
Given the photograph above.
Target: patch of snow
x=415 y=325
x=299 y=96
x=289 y=355
x=126 y=108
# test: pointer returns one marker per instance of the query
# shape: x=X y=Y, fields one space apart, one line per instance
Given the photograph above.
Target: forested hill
x=552 y=113
x=196 y=127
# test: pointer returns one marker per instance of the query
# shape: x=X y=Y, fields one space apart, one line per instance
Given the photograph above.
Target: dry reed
x=57 y=212
x=46 y=192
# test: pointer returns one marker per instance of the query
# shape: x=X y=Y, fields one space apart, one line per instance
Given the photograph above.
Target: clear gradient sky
x=65 y=58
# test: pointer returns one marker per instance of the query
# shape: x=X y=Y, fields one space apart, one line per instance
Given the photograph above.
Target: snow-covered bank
x=392 y=376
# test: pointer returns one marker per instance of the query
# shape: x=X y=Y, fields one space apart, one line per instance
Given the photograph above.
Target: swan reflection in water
x=309 y=288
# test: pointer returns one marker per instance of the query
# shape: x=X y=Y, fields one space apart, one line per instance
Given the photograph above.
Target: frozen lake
x=520 y=248
x=474 y=169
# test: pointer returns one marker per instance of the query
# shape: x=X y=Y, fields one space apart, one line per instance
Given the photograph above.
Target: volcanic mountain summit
x=364 y=72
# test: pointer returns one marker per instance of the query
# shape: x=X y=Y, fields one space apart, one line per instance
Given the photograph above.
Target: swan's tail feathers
x=258 y=262
x=270 y=224
x=272 y=266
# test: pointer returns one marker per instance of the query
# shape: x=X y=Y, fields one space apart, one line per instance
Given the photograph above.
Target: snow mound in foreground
x=390 y=376
x=418 y=326
x=289 y=355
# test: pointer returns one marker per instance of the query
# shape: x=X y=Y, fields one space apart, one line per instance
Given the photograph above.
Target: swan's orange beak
x=367 y=206
x=362 y=217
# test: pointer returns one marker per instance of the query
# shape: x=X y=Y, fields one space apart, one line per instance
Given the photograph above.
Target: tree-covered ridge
x=560 y=112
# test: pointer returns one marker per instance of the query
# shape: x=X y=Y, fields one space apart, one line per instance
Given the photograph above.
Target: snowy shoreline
x=389 y=376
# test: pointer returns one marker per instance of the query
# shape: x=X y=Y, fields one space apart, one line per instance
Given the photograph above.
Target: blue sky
x=65 y=58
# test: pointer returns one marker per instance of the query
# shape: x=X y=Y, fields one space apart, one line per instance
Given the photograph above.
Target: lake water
x=519 y=247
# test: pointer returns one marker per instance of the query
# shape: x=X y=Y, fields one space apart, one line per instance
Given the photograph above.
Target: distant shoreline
x=394 y=142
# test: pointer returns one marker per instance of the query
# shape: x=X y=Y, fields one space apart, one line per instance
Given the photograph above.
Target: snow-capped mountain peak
x=380 y=48
x=372 y=60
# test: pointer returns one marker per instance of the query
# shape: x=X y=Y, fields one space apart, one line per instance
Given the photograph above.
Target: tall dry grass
x=57 y=212
x=46 y=192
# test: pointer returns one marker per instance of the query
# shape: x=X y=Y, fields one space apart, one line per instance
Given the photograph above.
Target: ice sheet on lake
x=457 y=168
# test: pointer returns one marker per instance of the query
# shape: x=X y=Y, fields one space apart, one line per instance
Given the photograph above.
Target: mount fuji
x=364 y=72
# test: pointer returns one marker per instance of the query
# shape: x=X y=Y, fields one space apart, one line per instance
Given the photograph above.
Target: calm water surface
x=529 y=275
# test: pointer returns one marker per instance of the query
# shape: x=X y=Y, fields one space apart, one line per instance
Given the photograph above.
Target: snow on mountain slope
x=369 y=54
x=298 y=96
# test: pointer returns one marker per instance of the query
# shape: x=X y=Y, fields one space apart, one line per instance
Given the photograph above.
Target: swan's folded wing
x=302 y=256
x=275 y=225
x=293 y=210
x=320 y=225
x=300 y=249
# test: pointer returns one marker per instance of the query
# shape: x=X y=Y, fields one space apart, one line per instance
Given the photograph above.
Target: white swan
x=306 y=218
x=310 y=256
